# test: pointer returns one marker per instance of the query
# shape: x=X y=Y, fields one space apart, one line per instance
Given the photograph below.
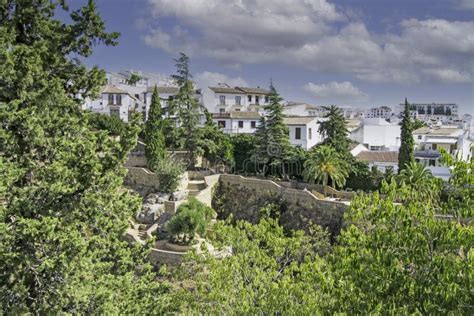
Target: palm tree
x=418 y=177
x=325 y=163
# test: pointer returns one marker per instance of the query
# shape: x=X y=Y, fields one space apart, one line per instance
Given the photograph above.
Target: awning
x=437 y=140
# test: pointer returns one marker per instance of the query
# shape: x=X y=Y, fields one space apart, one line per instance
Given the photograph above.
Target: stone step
x=193 y=192
x=196 y=185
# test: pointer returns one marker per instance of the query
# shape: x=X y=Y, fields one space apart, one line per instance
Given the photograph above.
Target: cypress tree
x=405 y=155
x=154 y=132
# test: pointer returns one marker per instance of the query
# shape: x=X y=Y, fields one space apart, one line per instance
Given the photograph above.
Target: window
x=241 y=124
x=310 y=132
x=111 y=99
x=222 y=100
x=257 y=99
x=237 y=100
x=266 y=99
x=420 y=137
x=432 y=162
x=221 y=110
x=115 y=112
x=298 y=133
x=237 y=110
x=118 y=99
x=253 y=124
x=249 y=97
x=221 y=124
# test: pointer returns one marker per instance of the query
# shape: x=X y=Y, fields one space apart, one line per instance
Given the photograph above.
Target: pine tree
x=154 y=132
x=334 y=130
x=405 y=155
x=63 y=210
x=273 y=142
x=187 y=109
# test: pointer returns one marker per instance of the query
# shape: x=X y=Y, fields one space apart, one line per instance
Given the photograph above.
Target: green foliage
x=191 y=217
x=363 y=178
x=324 y=164
x=216 y=145
x=244 y=146
x=334 y=130
x=405 y=155
x=187 y=110
x=268 y=272
x=169 y=172
x=272 y=137
x=420 y=182
x=63 y=210
x=155 y=150
x=111 y=124
x=134 y=78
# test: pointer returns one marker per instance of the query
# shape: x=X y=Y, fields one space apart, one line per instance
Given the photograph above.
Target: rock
x=179 y=195
x=150 y=213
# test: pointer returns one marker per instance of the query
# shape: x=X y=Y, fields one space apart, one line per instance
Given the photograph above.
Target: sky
x=360 y=53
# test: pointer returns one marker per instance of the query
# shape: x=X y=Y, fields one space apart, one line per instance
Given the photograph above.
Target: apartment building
x=237 y=122
x=452 y=139
x=235 y=99
x=432 y=112
x=380 y=112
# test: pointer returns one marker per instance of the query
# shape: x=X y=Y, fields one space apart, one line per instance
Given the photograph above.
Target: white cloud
x=303 y=33
x=465 y=4
x=339 y=91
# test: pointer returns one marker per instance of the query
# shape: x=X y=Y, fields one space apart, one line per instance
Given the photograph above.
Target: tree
x=243 y=145
x=155 y=150
x=216 y=145
x=272 y=135
x=187 y=109
x=421 y=182
x=63 y=210
x=113 y=125
x=134 y=78
x=191 y=217
x=405 y=156
x=324 y=164
x=334 y=130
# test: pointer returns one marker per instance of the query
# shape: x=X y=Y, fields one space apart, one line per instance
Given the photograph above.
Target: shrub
x=169 y=173
x=192 y=217
x=112 y=124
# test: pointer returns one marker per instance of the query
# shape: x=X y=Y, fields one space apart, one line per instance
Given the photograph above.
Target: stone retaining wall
x=141 y=177
x=243 y=198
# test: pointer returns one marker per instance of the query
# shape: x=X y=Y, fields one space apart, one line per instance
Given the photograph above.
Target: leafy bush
x=112 y=124
x=191 y=218
x=169 y=173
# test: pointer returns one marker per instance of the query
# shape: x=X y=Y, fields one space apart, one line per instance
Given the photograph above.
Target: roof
x=378 y=156
x=439 y=140
x=167 y=89
x=226 y=90
x=437 y=131
x=427 y=154
x=113 y=89
x=257 y=90
x=237 y=115
x=298 y=120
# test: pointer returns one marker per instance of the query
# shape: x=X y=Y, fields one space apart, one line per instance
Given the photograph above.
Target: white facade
x=303 y=131
x=454 y=140
x=166 y=94
x=381 y=112
x=377 y=134
x=303 y=109
x=234 y=99
x=234 y=123
x=426 y=112
x=382 y=160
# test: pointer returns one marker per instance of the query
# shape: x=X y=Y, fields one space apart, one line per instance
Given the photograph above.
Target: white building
x=432 y=112
x=454 y=140
x=303 y=109
x=303 y=131
x=234 y=99
x=237 y=122
x=381 y=112
x=377 y=134
x=115 y=102
x=380 y=159
x=147 y=79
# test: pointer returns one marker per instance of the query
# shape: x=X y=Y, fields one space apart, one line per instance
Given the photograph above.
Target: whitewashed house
x=166 y=93
x=382 y=160
x=235 y=99
x=303 y=109
x=303 y=131
x=237 y=122
x=454 y=140
x=114 y=101
x=377 y=134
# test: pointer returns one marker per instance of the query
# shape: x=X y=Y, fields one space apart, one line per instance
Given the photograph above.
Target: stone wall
x=243 y=198
x=158 y=257
x=141 y=177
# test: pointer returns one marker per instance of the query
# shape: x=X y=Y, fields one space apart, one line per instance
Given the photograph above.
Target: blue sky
x=346 y=52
